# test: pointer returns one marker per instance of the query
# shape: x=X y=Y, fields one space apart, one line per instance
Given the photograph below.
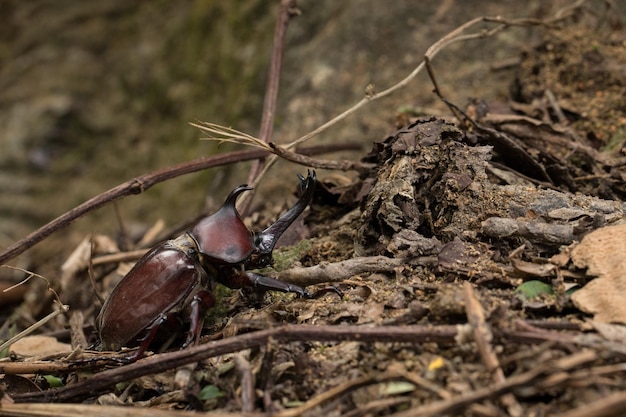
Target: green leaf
x=121 y=386
x=534 y=289
x=396 y=387
x=53 y=381
x=210 y=392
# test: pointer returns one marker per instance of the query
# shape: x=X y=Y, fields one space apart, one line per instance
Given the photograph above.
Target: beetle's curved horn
x=266 y=240
x=232 y=197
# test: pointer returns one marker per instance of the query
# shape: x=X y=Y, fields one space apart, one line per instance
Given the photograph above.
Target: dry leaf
x=603 y=253
x=39 y=346
x=613 y=332
x=81 y=256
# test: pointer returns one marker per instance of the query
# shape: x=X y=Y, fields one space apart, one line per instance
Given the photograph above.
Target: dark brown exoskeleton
x=179 y=276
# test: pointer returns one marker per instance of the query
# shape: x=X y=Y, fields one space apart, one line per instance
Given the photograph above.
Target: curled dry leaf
x=79 y=259
x=603 y=253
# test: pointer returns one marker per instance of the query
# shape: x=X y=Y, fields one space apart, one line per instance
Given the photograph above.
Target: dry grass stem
x=30 y=329
x=223 y=134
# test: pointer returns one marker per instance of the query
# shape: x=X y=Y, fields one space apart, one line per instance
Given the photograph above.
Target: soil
x=468 y=250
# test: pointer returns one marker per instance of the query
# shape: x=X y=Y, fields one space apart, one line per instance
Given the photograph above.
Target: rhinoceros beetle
x=180 y=275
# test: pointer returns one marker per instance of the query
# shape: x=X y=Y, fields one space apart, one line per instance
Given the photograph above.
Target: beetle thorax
x=224 y=238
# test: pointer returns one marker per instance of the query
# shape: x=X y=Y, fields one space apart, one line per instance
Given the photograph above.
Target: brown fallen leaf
x=603 y=253
x=613 y=332
x=39 y=346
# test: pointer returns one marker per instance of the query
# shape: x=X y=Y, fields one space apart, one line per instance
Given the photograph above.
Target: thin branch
x=338 y=391
x=483 y=337
x=371 y=96
x=119 y=257
x=99 y=410
x=288 y=333
x=607 y=405
x=447 y=40
x=287 y=10
x=142 y=183
x=135 y=186
x=298 y=158
x=456 y=404
x=247 y=383
x=376 y=407
x=227 y=134
x=452 y=37
x=30 y=329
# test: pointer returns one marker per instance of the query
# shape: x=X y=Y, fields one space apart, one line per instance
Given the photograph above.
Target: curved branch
x=140 y=184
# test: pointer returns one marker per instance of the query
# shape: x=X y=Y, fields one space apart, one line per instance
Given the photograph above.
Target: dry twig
x=62 y=308
x=483 y=337
x=458 y=403
x=161 y=362
x=247 y=383
x=94 y=410
x=339 y=271
x=287 y=10
x=610 y=405
x=139 y=185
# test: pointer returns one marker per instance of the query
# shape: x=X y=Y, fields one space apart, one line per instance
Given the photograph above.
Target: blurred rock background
x=93 y=94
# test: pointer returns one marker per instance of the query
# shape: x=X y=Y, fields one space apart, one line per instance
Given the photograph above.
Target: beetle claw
x=307 y=182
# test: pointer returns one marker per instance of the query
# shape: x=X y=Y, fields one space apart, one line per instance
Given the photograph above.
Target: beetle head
x=223 y=237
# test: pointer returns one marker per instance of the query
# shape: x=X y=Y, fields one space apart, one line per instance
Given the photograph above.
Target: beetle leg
x=263 y=283
x=149 y=337
x=238 y=279
x=200 y=303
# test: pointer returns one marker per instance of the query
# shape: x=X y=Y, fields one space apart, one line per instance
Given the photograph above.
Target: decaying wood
x=342 y=270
